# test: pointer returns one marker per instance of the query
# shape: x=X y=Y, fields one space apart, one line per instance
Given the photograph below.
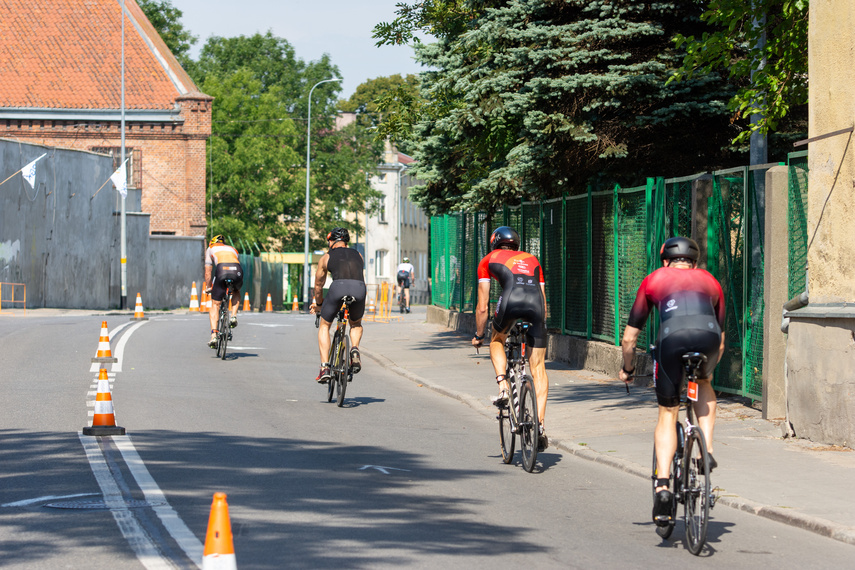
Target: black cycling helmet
x=679 y=247
x=505 y=236
x=339 y=234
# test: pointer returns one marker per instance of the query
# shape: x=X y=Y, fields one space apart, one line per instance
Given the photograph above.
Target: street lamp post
x=306 y=271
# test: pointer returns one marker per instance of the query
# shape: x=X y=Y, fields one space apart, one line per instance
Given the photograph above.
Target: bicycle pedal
x=230 y=336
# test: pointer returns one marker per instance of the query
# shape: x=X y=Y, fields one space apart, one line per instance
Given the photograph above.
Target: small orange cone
x=194 y=299
x=139 y=314
x=246 y=305
x=269 y=306
x=219 y=551
x=104 y=354
x=203 y=303
x=104 y=420
x=295 y=306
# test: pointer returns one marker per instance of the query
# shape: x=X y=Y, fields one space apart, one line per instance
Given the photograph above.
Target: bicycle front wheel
x=334 y=363
x=343 y=370
x=224 y=325
x=696 y=490
x=528 y=424
x=506 y=433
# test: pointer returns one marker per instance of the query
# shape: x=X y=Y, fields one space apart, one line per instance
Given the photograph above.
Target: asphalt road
x=400 y=476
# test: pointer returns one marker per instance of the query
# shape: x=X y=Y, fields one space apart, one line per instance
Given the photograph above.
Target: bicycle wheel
x=333 y=360
x=528 y=424
x=506 y=433
x=696 y=491
x=224 y=325
x=343 y=369
x=665 y=531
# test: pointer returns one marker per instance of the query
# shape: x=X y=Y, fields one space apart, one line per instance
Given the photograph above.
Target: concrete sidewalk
x=591 y=416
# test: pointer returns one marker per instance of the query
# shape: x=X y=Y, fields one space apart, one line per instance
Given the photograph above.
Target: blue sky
x=341 y=28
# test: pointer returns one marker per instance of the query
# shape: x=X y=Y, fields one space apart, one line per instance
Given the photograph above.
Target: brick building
x=60 y=72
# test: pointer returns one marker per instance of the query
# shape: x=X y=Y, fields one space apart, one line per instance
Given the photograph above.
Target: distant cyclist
x=691 y=318
x=345 y=264
x=406 y=274
x=523 y=297
x=221 y=263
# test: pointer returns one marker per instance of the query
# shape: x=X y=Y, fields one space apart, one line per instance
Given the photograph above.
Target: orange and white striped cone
x=139 y=314
x=219 y=553
x=104 y=353
x=295 y=306
x=194 y=299
x=104 y=419
x=203 y=303
x=269 y=306
x=246 y=305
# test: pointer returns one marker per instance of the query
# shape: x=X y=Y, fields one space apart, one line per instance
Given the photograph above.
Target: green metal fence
x=797 y=222
x=597 y=247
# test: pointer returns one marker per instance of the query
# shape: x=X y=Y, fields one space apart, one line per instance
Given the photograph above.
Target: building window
x=134 y=156
x=380 y=263
x=381 y=214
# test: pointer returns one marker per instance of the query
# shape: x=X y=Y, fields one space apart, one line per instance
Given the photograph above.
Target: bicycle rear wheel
x=224 y=323
x=696 y=491
x=333 y=360
x=528 y=424
x=343 y=369
x=665 y=531
x=506 y=433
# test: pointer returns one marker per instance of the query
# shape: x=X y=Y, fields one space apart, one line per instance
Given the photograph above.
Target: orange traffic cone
x=139 y=314
x=104 y=420
x=295 y=306
x=219 y=551
x=203 y=303
x=194 y=300
x=246 y=305
x=269 y=306
x=104 y=354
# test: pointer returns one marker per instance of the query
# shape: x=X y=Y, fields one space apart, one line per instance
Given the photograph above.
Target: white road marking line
x=170 y=519
x=245 y=347
x=137 y=538
x=45 y=499
x=266 y=325
x=120 y=347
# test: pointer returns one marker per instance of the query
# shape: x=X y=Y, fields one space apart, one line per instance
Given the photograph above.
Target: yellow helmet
x=215 y=240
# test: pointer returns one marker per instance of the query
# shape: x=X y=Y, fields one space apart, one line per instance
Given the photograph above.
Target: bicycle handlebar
x=318 y=321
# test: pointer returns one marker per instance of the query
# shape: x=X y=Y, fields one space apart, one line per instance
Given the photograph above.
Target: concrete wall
x=62 y=238
x=173 y=264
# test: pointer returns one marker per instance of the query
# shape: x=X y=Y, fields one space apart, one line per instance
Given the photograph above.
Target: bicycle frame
x=521 y=411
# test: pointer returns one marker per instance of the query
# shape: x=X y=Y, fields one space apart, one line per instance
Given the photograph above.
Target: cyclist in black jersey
x=345 y=264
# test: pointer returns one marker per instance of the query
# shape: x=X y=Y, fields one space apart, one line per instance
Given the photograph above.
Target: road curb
x=789 y=517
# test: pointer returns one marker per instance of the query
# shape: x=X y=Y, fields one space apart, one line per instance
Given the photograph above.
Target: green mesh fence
x=602 y=266
x=632 y=251
x=576 y=275
x=797 y=221
x=678 y=198
x=552 y=259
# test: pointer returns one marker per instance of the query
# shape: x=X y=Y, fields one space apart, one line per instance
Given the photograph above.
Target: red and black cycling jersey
x=678 y=293
x=511 y=269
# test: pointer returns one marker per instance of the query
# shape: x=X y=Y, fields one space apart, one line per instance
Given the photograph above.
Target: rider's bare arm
x=320 y=279
x=627 y=346
x=481 y=311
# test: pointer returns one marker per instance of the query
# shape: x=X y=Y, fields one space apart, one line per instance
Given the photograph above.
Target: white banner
x=120 y=179
x=29 y=171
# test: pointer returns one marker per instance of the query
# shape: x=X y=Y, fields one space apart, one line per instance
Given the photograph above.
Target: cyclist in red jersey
x=523 y=297
x=691 y=315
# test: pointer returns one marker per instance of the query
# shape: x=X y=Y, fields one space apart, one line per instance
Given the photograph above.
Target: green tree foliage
x=384 y=101
x=166 y=19
x=740 y=42
x=529 y=99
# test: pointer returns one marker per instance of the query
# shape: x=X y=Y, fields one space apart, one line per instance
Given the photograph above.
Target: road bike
x=339 y=356
x=689 y=480
x=224 y=333
x=518 y=415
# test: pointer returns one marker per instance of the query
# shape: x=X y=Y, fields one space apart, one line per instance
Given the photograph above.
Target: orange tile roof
x=66 y=54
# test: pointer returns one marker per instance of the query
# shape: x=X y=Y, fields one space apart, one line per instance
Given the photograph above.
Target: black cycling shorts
x=337 y=291
x=222 y=272
x=668 y=367
x=404 y=279
x=525 y=304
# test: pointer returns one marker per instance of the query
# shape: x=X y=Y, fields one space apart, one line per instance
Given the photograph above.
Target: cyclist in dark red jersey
x=691 y=317
x=523 y=298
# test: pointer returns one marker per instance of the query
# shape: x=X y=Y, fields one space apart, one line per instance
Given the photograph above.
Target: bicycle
x=519 y=415
x=689 y=480
x=339 y=356
x=224 y=333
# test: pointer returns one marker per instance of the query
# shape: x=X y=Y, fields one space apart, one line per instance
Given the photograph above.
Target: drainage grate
x=94 y=505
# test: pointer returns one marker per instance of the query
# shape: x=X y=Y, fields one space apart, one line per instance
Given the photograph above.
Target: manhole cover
x=132 y=504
